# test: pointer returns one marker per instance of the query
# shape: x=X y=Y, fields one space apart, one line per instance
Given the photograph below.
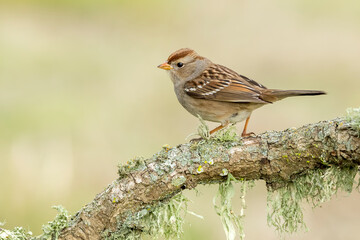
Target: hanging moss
x=164 y=220
x=231 y=221
x=285 y=211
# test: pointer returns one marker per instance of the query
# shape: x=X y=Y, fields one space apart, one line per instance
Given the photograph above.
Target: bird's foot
x=194 y=140
x=250 y=134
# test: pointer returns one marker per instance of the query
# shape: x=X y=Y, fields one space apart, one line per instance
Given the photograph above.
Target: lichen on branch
x=165 y=219
x=310 y=163
x=353 y=118
x=51 y=230
x=279 y=158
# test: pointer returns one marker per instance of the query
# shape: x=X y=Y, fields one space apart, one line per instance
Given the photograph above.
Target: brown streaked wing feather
x=244 y=78
x=219 y=83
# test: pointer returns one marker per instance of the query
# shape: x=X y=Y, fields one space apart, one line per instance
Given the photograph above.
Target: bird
x=218 y=94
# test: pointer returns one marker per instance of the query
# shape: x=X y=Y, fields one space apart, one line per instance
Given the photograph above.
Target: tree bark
x=272 y=156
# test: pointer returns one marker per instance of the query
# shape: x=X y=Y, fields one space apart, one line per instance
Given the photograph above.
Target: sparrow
x=217 y=93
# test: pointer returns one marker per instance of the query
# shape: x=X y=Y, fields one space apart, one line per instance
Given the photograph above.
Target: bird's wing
x=219 y=83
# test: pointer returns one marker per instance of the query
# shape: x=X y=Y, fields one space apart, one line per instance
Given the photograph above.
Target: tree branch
x=272 y=156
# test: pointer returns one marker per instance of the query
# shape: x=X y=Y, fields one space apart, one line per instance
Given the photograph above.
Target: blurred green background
x=80 y=92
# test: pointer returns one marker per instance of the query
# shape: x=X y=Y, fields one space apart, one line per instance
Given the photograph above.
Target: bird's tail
x=272 y=95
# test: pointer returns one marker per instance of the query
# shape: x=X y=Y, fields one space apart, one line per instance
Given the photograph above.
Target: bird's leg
x=244 y=134
x=219 y=127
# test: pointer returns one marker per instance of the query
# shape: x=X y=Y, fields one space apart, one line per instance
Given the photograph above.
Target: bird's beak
x=165 y=66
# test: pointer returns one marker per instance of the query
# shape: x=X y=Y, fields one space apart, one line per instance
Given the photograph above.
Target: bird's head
x=185 y=64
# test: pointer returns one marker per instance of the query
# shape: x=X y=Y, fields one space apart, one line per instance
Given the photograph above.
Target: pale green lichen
x=216 y=146
x=231 y=222
x=317 y=186
x=137 y=163
x=203 y=129
x=52 y=229
x=167 y=160
x=353 y=117
x=208 y=151
x=164 y=220
x=227 y=134
x=18 y=233
x=153 y=177
x=178 y=181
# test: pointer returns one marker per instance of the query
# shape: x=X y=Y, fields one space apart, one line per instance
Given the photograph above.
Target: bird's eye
x=180 y=64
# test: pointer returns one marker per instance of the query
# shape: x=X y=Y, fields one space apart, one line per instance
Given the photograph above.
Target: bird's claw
x=250 y=134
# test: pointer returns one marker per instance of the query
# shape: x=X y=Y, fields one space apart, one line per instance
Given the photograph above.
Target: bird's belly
x=239 y=116
x=216 y=111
